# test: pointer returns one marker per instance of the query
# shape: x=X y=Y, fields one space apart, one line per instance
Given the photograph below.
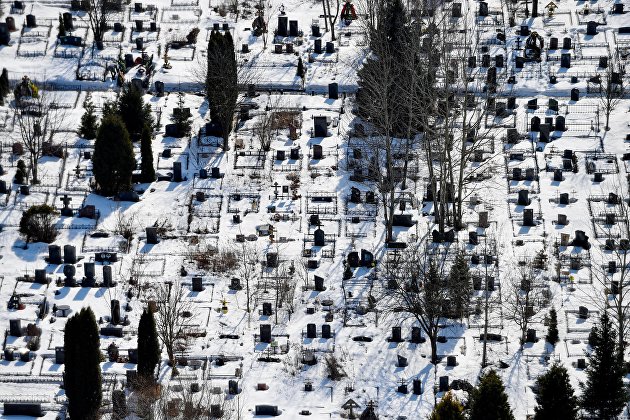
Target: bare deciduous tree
x=99 y=14
x=173 y=308
x=38 y=118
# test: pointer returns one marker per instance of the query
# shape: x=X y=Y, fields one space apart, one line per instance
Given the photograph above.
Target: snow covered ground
x=371 y=367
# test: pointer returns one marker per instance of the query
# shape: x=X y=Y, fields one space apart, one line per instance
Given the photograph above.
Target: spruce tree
x=89 y=122
x=82 y=375
x=146 y=154
x=113 y=161
x=489 y=401
x=449 y=408
x=552 y=333
x=182 y=117
x=133 y=111
x=5 y=89
x=556 y=399
x=604 y=395
x=148 y=346
x=459 y=286
x=222 y=82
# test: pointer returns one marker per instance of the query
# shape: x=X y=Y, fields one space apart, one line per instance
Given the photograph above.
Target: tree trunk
x=433 y=341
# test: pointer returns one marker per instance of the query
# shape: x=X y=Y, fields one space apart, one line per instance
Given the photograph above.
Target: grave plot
x=250 y=159
x=100 y=241
x=147 y=266
x=78 y=178
x=206 y=211
x=34 y=37
x=171 y=164
x=271 y=341
x=95 y=69
x=602 y=163
x=574 y=265
x=180 y=15
x=140 y=11
x=319 y=243
x=526 y=215
x=608 y=216
x=72 y=45
x=560 y=162
x=317 y=339
x=286 y=160
x=115 y=33
x=6 y=123
x=26 y=198
x=143 y=32
x=322 y=160
x=522 y=170
x=321 y=203
x=544 y=127
x=359 y=270
x=243 y=203
x=580 y=321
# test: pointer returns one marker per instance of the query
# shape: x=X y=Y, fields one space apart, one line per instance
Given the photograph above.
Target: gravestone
x=15 y=327
x=499 y=61
x=553 y=43
x=564 y=197
x=564 y=239
x=583 y=312
x=565 y=60
x=319 y=284
x=485 y=60
x=152 y=235
x=417 y=387
x=560 y=123
x=177 y=172
x=197 y=285
x=535 y=124
x=317 y=46
x=528 y=217
x=472 y=62
x=283 y=22
x=118 y=27
x=311 y=331
x=529 y=174
x=516 y=174
x=367 y=258
x=618 y=9
x=520 y=63
x=25 y=190
x=272 y=259
x=456 y=10
x=333 y=91
x=612 y=267
x=159 y=88
x=67 y=21
x=320 y=128
x=319 y=237
x=235 y=284
x=10 y=22
x=355 y=195
x=544 y=132
x=581 y=240
x=129 y=63
x=416 y=335
x=575 y=94
x=472 y=238
x=265 y=333
x=294 y=154
x=315 y=31
x=523 y=198
x=566 y=43
x=451 y=361
x=293 y=28
x=89 y=272
x=40 y=276
x=531 y=336
x=483 y=9
x=107 y=276
x=396 y=335
x=233 y=387
x=153 y=26
x=69 y=254
x=31 y=21
x=610 y=219
x=512 y=135
x=330 y=47
x=59 y=355
x=326 y=332
x=483 y=219
x=402 y=361
x=591 y=28
x=69 y=272
x=557 y=175
x=491 y=76
x=54 y=254
x=603 y=62
x=614 y=287
x=553 y=104
x=598 y=177
x=524 y=30
x=280 y=154
x=353 y=259
x=115 y=311
x=443 y=387
x=267 y=309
